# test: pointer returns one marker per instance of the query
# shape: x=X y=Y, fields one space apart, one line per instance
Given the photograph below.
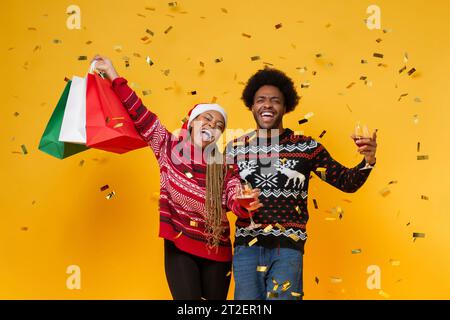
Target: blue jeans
x=284 y=266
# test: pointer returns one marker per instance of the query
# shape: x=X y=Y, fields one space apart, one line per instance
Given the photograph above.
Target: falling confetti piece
x=384 y=294
x=322 y=172
x=118 y=125
x=268 y=228
x=193 y=93
x=218 y=60
x=279 y=226
x=378 y=55
x=224 y=10
x=261 y=268
x=278 y=26
x=178 y=235
x=351 y=85
x=228 y=274
x=305 y=85
x=246 y=35
x=394 y=263
x=252 y=242
x=296 y=295
x=417 y=99
x=294 y=237
x=424 y=197
x=411 y=71
x=24 y=228
x=110 y=195
x=188 y=174
x=193 y=223
x=418 y=146
x=316 y=279
x=82 y=58
x=302 y=121
x=309 y=115
x=335 y=280
x=254 y=58
x=364 y=61
x=418 y=235
x=57 y=41
x=168 y=29
x=393 y=182
x=356 y=251
x=422 y=157
x=402 y=69
x=379 y=40
x=88 y=42
x=315 y=204
x=166 y=72
x=24 y=149
x=272 y=295
x=146 y=40
x=402 y=95
x=323 y=133
x=385 y=192
x=405 y=57
x=117 y=48
x=149 y=61
x=81 y=163
x=16 y=114
x=285 y=286
x=173 y=4
x=146 y=92
x=150 y=32
x=105 y=187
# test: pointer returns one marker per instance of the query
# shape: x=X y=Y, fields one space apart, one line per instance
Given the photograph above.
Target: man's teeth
x=267 y=114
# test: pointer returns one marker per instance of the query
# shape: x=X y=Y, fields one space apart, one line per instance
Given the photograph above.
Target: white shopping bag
x=73 y=128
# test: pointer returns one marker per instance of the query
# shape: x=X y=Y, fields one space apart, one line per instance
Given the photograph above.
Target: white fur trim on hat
x=203 y=107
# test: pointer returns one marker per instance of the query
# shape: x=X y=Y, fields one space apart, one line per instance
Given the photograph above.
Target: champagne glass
x=244 y=197
x=362 y=132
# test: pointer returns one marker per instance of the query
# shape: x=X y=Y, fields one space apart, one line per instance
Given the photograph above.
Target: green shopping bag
x=50 y=139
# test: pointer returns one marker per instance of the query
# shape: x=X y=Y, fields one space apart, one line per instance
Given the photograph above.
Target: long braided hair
x=215 y=173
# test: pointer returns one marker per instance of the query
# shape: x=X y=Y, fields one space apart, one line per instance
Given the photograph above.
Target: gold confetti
x=268 y=228
x=423 y=197
x=146 y=92
x=110 y=195
x=24 y=149
x=294 y=237
x=356 y=251
x=57 y=41
x=146 y=40
x=105 y=187
x=385 y=192
x=379 y=40
x=272 y=295
x=279 y=226
x=173 y=4
x=364 y=61
x=418 y=235
x=296 y=295
x=322 y=172
x=252 y=242
x=82 y=58
x=351 y=85
x=246 y=35
x=394 y=263
x=149 y=61
x=335 y=280
x=193 y=93
x=422 y=157
x=417 y=99
x=178 y=235
x=214 y=99
x=316 y=280
x=323 y=133
x=224 y=10
x=405 y=57
x=297 y=208
x=278 y=26
x=218 y=60
x=88 y=42
x=16 y=114
x=117 y=48
x=193 y=223
x=166 y=72
x=305 y=85
x=402 y=95
x=384 y=294
x=411 y=71
x=81 y=163
x=309 y=115
x=168 y=29
x=229 y=273
x=150 y=32
x=393 y=182
x=118 y=125
x=24 y=229
x=285 y=286
x=254 y=58
x=418 y=146
x=378 y=55
x=315 y=204
x=188 y=174
x=261 y=268
x=402 y=69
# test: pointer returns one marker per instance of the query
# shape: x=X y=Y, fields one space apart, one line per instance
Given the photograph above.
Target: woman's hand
x=104 y=65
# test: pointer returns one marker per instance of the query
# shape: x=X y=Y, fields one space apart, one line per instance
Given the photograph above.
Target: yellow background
x=115 y=242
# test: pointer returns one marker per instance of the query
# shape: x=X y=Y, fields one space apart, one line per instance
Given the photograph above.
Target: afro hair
x=271 y=77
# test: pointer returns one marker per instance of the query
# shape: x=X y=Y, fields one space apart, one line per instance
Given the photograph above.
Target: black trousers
x=192 y=278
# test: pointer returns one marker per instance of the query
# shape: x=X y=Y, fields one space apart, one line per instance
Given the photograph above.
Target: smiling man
x=268 y=260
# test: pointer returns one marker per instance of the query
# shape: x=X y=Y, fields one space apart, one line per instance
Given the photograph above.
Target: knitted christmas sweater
x=281 y=169
x=182 y=183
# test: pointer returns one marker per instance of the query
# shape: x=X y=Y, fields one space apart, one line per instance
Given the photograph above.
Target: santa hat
x=203 y=107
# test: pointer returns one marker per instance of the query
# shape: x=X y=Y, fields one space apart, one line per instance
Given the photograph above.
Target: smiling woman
x=194 y=194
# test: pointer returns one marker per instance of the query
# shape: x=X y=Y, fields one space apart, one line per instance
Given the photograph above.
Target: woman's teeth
x=207 y=135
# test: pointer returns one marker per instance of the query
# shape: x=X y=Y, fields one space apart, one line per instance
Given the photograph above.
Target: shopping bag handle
x=92 y=67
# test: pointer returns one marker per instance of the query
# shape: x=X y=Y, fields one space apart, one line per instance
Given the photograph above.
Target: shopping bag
x=73 y=127
x=49 y=142
x=108 y=125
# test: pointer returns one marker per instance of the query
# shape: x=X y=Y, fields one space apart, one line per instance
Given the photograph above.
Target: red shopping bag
x=108 y=124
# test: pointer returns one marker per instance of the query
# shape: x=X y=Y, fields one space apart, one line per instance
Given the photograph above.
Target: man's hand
x=105 y=66
x=367 y=147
